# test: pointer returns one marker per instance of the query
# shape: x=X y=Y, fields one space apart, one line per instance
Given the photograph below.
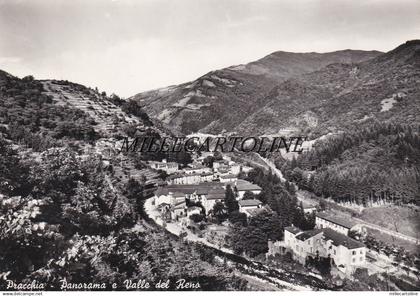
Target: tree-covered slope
x=70 y=213
x=379 y=162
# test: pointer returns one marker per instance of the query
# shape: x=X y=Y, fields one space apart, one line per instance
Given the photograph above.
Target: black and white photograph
x=209 y=145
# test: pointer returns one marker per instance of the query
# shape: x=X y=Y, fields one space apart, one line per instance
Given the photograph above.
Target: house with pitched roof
x=208 y=193
x=209 y=199
x=245 y=206
x=168 y=167
x=339 y=224
x=183 y=179
x=197 y=169
x=346 y=253
x=241 y=186
x=308 y=208
x=228 y=178
x=179 y=209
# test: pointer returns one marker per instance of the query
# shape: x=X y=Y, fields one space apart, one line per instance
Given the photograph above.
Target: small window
x=354 y=252
x=361 y=258
x=354 y=260
x=335 y=252
x=361 y=252
x=309 y=242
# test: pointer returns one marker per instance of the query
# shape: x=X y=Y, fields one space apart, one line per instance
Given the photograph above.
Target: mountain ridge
x=293 y=92
x=201 y=105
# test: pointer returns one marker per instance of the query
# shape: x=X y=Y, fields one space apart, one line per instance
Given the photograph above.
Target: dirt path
x=273 y=168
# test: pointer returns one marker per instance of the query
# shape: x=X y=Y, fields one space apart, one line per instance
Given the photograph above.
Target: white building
x=329 y=220
x=308 y=208
x=221 y=164
x=346 y=254
x=249 y=204
x=228 y=178
x=241 y=186
x=168 y=167
x=208 y=193
x=180 y=179
x=179 y=209
x=209 y=199
x=234 y=169
x=193 y=210
x=197 y=169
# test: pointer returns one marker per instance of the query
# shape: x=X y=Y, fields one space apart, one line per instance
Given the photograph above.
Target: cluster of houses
x=177 y=201
x=168 y=167
x=329 y=240
x=223 y=170
x=197 y=188
x=199 y=184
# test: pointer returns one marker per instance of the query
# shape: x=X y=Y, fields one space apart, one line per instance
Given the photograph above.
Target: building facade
x=168 y=167
x=345 y=253
x=329 y=220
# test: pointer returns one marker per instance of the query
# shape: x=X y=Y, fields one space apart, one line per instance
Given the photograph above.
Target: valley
x=222 y=218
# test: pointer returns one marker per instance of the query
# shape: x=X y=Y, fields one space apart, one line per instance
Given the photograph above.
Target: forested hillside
x=66 y=212
x=378 y=162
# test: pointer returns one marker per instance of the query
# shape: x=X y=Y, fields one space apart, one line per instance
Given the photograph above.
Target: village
x=190 y=200
x=198 y=188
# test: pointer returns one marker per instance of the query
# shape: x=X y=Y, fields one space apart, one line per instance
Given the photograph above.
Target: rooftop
x=163 y=163
x=206 y=174
x=293 y=229
x=190 y=209
x=202 y=188
x=308 y=234
x=243 y=185
x=196 y=166
x=180 y=204
x=335 y=237
x=164 y=204
x=308 y=205
x=178 y=194
x=254 y=212
x=249 y=202
x=336 y=220
x=215 y=195
x=339 y=239
x=228 y=176
x=165 y=190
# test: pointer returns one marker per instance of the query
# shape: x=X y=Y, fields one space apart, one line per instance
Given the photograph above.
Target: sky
x=129 y=46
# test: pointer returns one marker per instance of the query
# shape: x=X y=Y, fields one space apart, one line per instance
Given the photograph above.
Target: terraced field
x=109 y=119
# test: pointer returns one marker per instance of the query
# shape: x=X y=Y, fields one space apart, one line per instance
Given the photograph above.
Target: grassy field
x=401 y=219
x=390 y=240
